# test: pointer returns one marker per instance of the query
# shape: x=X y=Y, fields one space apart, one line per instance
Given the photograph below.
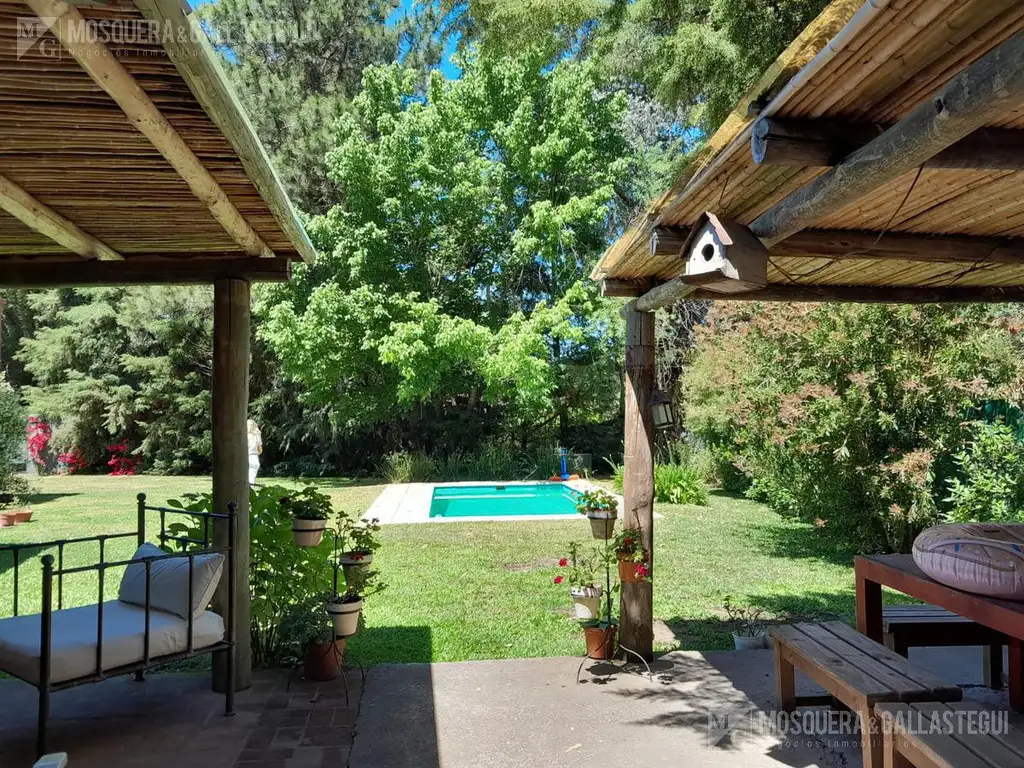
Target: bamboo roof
x=864 y=63
x=124 y=156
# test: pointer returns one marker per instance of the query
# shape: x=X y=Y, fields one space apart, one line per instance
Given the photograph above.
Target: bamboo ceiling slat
x=902 y=53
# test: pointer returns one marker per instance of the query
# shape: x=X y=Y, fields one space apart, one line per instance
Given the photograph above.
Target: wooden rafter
x=46 y=221
x=844 y=245
x=982 y=93
x=68 y=25
x=872 y=294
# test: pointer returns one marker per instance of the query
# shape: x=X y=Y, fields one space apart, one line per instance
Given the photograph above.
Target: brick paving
x=175 y=721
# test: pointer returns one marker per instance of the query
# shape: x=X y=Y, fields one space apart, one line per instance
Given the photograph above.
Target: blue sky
x=447 y=67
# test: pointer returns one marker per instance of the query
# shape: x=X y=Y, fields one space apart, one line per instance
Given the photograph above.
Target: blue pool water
x=503 y=500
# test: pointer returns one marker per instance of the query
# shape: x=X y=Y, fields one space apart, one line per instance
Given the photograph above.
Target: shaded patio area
x=517 y=712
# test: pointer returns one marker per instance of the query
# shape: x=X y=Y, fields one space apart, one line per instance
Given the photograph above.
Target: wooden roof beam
x=984 y=92
x=824 y=143
x=46 y=221
x=618 y=289
x=68 y=26
x=900 y=246
x=873 y=294
x=138 y=271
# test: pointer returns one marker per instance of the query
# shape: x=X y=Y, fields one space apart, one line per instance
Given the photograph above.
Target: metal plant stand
x=608 y=622
x=343 y=660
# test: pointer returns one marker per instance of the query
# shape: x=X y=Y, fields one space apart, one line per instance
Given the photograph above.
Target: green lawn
x=481 y=590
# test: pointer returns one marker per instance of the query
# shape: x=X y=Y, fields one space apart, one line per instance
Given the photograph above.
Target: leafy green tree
x=131 y=363
x=298 y=64
x=847 y=416
x=453 y=270
x=12 y=439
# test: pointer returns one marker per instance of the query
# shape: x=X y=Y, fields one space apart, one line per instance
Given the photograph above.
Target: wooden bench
x=909 y=739
x=916 y=626
x=855 y=670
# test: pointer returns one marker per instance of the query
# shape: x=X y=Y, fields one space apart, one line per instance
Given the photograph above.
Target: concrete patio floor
x=498 y=714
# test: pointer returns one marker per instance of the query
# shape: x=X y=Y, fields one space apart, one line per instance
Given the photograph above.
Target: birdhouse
x=724 y=256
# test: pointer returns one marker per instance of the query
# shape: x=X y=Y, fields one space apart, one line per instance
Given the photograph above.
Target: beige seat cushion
x=168 y=589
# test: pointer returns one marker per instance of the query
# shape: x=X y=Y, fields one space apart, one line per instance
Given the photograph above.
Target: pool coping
x=403 y=503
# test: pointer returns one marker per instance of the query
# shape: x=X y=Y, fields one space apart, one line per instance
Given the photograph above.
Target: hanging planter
x=345 y=615
x=633 y=572
x=601 y=508
x=586 y=602
x=600 y=641
x=602 y=523
x=308 y=532
x=353 y=562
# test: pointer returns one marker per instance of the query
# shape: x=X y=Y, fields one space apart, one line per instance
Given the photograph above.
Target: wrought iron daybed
x=64 y=648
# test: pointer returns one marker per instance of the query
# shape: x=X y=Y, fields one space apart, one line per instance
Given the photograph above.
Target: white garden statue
x=255 y=438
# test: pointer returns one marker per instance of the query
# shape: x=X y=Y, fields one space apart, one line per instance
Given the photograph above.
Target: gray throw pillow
x=168 y=590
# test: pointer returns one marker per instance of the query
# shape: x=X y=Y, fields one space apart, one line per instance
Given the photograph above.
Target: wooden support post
x=231 y=319
x=637 y=601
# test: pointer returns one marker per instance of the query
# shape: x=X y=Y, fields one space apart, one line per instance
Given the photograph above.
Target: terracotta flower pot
x=345 y=617
x=8 y=519
x=308 y=533
x=602 y=523
x=627 y=571
x=22 y=515
x=600 y=641
x=322 y=661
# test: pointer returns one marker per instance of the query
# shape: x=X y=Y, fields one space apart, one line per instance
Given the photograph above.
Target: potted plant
x=346 y=608
x=634 y=560
x=309 y=510
x=749 y=629
x=312 y=635
x=8 y=519
x=580 y=572
x=600 y=637
x=601 y=508
x=23 y=515
x=360 y=542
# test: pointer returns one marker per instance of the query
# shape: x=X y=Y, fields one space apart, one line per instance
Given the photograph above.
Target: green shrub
x=12 y=437
x=844 y=415
x=673 y=483
x=408 y=467
x=989 y=485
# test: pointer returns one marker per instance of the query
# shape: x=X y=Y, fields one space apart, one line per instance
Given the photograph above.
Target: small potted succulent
x=601 y=508
x=579 y=574
x=749 y=630
x=634 y=560
x=346 y=608
x=360 y=542
x=309 y=510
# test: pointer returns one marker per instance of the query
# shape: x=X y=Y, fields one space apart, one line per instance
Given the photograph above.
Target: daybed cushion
x=74 y=639
x=984 y=558
x=168 y=589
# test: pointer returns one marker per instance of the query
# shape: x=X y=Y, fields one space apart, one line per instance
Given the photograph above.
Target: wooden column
x=231 y=316
x=637 y=601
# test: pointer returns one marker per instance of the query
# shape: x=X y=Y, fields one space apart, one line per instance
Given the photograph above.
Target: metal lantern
x=661 y=410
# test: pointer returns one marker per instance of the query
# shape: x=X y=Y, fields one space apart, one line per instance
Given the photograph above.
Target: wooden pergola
x=125 y=159
x=879 y=159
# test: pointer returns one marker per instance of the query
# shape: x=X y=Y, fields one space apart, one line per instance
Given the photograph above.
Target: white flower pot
x=308 y=533
x=602 y=523
x=749 y=642
x=345 y=617
x=586 y=603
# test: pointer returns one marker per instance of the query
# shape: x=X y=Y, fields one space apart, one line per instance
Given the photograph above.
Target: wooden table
x=901 y=573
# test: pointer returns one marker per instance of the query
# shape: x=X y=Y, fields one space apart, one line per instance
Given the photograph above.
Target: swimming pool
x=511 y=500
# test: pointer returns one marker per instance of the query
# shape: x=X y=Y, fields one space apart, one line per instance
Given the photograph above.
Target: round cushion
x=984 y=558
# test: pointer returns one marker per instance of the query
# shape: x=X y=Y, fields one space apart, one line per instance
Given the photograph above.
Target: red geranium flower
x=641 y=571
x=558 y=579
x=628 y=542
x=563 y=562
